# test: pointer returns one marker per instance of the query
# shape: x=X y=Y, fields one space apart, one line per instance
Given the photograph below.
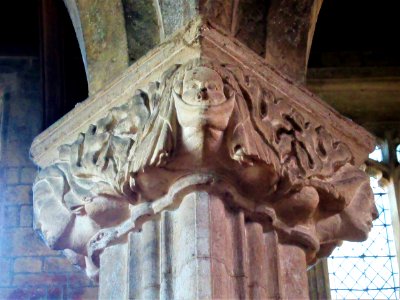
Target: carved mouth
x=368 y=226
x=203 y=95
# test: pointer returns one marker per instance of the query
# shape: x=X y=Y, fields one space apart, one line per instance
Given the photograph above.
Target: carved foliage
x=304 y=147
x=200 y=116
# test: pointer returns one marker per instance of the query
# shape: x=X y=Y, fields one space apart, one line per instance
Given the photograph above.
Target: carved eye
x=195 y=86
x=237 y=148
x=247 y=80
x=211 y=86
x=263 y=109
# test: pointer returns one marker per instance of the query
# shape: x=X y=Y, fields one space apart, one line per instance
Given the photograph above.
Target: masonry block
x=28 y=175
x=26 y=216
x=23 y=242
x=23 y=293
x=56 y=292
x=11 y=216
x=39 y=279
x=28 y=265
x=83 y=293
x=5 y=275
x=21 y=194
x=58 y=264
x=12 y=176
x=79 y=279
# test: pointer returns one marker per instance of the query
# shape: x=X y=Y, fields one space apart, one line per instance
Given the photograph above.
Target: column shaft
x=202 y=250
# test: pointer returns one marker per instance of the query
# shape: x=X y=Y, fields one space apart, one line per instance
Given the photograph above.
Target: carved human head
x=357 y=217
x=203 y=86
x=352 y=224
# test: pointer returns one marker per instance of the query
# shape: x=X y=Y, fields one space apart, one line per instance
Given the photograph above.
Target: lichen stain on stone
x=219 y=12
x=95 y=31
x=105 y=40
x=141 y=27
x=99 y=34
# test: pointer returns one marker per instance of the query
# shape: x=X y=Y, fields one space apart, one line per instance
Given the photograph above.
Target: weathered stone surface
x=318 y=280
x=11 y=176
x=142 y=30
x=174 y=14
x=110 y=32
x=78 y=280
x=54 y=292
x=57 y=264
x=28 y=265
x=169 y=190
x=24 y=280
x=194 y=42
x=11 y=216
x=20 y=194
x=100 y=28
x=115 y=260
x=22 y=242
x=26 y=216
x=250 y=26
x=28 y=175
x=83 y=293
x=5 y=274
x=290 y=29
x=23 y=293
x=44 y=150
x=211 y=251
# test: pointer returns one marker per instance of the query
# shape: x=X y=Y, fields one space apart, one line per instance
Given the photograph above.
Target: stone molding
x=195 y=41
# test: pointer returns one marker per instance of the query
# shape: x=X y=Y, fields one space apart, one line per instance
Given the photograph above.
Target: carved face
x=203 y=86
x=357 y=217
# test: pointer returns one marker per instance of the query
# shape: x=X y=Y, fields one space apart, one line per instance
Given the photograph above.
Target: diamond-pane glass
x=367 y=270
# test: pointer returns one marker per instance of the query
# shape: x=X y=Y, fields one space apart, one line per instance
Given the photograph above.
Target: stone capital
x=202 y=138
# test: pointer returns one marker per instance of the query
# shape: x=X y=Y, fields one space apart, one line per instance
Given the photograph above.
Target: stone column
x=202 y=172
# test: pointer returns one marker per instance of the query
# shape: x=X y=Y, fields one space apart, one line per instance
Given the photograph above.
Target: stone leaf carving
x=80 y=194
x=302 y=144
x=203 y=126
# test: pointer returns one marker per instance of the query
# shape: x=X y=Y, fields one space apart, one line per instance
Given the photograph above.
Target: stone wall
x=28 y=268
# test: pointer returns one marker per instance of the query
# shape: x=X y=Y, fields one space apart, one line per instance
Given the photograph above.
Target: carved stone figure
x=353 y=223
x=203 y=126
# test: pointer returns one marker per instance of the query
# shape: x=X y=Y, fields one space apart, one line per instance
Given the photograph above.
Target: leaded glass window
x=368 y=270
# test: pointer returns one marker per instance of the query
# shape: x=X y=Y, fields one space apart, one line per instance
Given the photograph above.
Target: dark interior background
x=42 y=29
x=357 y=34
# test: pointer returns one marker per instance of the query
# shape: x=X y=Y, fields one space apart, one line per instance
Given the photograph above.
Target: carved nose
x=375 y=213
x=203 y=95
